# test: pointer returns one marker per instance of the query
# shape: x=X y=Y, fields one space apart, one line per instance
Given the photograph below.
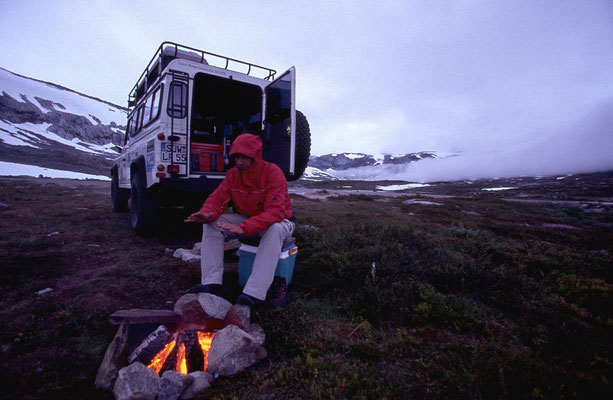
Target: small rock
x=136 y=382
x=238 y=315
x=3 y=206
x=168 y=252
x=197 y=248
x=186 y=256
x=53 y=233
x=172 y=385
x=202 y=381
x=47 y=290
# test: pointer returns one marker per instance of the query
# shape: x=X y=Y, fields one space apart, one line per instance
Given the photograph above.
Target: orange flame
x=205 y=339
x=181 y=361
x=158 y=361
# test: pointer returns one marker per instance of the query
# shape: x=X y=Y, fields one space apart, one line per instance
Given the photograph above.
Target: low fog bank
x=586 y=146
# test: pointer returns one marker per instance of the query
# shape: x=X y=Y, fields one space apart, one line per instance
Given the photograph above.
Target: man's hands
x=200 y=217
x=230 y=228
x=206 y=218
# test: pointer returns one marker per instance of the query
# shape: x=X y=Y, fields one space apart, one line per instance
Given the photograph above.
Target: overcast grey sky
x=389 y=76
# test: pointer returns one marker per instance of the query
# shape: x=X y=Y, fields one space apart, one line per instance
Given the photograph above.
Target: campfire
x=185 y=351
x=182 y=351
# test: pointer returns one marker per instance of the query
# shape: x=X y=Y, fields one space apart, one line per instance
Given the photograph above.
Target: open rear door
x=279 y=135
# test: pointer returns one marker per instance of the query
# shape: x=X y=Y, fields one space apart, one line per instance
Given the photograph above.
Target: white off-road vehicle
x=184 y=112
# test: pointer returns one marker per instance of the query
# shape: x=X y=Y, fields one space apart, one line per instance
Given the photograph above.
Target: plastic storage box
x=207 y=157
x=285 y=266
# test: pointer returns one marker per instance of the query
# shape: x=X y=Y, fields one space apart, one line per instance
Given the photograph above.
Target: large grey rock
x=233 y=350
x=202 y=381
x=136 y=382
x=189 y=308
x=211 y=306
x=214 y=306
x=172 y=385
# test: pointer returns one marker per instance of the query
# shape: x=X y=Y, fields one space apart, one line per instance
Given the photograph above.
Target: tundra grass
x=475 y=298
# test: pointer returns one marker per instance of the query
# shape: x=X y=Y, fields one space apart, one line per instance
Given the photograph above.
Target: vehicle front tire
x=143 y=207
x=119 y=196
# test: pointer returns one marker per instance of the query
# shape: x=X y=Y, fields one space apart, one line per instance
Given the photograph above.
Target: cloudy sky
x=492 y=78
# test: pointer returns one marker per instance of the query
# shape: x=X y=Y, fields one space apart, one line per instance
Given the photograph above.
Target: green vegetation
x=477 y=298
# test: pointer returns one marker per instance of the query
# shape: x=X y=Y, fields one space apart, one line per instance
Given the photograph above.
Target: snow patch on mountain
x=48 y=97
x=316 y=174
x=33 y=135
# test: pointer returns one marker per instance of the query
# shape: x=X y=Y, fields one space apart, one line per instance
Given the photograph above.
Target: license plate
x=178 y=152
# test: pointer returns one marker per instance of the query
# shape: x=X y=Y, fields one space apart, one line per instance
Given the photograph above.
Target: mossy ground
x=476 y=298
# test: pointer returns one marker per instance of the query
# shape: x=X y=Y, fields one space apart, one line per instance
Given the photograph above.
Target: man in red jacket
x=258 y=190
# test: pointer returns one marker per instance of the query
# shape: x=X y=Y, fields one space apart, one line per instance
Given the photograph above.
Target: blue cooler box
x=285 y=266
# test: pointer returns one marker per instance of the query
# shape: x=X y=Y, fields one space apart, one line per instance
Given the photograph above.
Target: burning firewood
x=152 y=345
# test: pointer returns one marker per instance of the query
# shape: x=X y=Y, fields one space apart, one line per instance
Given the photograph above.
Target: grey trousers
x=266 y=258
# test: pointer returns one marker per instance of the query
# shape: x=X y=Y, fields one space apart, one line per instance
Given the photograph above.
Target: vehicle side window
x=177 y=100
x=139 y=121
x=155 y=108
x=152 y=107
x=130 y=129
x=147 y=111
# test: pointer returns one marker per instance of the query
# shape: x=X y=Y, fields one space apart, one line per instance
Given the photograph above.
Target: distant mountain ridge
x=344 y=161
x=51 y=126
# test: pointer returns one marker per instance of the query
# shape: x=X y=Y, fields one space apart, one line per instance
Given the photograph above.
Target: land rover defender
x=185 y=110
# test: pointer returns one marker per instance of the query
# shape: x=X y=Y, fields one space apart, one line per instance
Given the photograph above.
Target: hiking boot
x=249 y=301
x=278 y=296
x=212 y=288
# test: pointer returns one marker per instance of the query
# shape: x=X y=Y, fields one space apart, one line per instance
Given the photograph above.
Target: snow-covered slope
x=316 y=174
x=46 y=125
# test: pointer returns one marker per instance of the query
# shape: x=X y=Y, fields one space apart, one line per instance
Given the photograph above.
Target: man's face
x=242 y=162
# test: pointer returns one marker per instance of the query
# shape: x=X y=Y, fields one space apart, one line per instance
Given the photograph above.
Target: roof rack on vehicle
x=169 y=51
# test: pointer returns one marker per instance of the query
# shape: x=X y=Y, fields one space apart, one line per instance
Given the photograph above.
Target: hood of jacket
x=249 y=145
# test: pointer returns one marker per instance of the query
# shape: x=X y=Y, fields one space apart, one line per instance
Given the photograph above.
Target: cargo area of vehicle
x=222 y=109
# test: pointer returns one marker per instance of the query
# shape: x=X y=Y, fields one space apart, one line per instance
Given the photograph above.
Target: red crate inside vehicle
x=207 y=157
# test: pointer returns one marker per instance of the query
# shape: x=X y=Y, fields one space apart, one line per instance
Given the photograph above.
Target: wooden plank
x=113 y=359
x=140 y=316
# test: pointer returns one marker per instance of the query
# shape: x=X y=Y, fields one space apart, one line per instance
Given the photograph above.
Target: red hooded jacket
x=260 y=193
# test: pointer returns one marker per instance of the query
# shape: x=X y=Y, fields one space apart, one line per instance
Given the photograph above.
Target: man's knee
x=210 y=229
x=278 y=229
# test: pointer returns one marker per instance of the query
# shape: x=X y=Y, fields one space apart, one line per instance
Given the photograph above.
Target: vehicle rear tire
x=303 y=146
x=119 y=196
x=143 y=207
